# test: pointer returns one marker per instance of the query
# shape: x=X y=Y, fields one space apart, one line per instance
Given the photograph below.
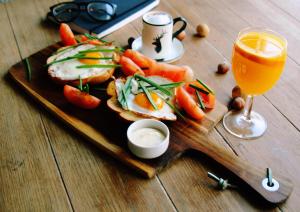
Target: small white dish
x=138 y=147
x=176 y=53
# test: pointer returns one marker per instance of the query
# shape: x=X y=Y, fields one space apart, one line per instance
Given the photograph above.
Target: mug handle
x=175 y=20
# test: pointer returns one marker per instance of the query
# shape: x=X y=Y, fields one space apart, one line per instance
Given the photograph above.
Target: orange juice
x=257 y=61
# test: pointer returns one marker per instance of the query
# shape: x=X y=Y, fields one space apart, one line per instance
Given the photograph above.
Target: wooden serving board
x=106 y=130
x=101 y=126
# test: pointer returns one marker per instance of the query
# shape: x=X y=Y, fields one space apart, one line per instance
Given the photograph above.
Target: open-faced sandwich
x=91 y=60
x=93 y=63
x=137 y=97
x=84 y=61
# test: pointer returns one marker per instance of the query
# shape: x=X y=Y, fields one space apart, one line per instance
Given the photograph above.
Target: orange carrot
x=188 y=104
x=151 y=67
x=172 y=72
x=129 y=67
x=141 y=60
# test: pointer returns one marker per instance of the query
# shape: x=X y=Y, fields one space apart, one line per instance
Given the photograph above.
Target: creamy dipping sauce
x=147 y=137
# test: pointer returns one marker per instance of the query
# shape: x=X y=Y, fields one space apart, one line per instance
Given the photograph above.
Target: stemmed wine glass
x=258 y=60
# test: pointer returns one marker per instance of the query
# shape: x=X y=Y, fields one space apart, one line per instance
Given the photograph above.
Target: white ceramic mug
x=157 y=34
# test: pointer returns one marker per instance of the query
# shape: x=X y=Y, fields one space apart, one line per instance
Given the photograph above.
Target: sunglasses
x=97 y=10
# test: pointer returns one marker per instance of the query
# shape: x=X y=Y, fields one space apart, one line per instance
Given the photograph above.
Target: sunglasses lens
x=101 y=11
x=66 y=12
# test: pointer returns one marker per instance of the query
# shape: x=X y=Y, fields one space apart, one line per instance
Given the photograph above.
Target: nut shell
x=238 y=103
x=181 y=35
x=236 y=92
x=202 y=30
x=223 y=68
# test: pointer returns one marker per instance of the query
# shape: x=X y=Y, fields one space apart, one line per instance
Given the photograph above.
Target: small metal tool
x=222 y=184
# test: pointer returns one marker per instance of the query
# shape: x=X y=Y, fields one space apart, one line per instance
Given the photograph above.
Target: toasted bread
x=93 y=79
x=127 y=115
x=114 y=105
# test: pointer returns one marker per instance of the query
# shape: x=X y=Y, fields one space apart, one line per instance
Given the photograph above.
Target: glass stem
x=248 y=107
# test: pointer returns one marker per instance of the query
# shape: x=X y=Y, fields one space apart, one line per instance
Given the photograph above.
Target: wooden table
x=45 y=166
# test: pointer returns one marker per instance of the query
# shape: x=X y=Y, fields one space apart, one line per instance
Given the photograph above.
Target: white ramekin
x=153 y=151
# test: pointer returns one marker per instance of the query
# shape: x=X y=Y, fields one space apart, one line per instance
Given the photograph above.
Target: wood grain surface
x=30 y=179
x=94 y=181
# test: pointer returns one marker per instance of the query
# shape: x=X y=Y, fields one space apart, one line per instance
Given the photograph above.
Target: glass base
x=237 y=124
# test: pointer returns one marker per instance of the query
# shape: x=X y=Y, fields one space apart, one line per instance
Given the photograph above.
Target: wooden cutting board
x=101 y=126
x=106 y=130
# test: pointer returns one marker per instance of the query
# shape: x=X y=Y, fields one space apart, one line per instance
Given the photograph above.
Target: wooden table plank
x=93 y=179
x=291 y=7
x=32 y=33
x=29 y=178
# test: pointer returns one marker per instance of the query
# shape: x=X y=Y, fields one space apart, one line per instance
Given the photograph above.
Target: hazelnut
x=238 y=103
x=202 y=30
x=181 y=35
x=223 y=68
x=236 y=92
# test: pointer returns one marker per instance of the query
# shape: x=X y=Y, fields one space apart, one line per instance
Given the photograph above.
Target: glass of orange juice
x=258 y=60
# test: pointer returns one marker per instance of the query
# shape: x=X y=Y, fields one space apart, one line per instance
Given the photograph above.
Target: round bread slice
x=95 y=78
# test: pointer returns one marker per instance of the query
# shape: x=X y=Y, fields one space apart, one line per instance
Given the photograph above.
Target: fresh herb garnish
x=99 y=50
x=80 y=83
x=199 y=89
x=85 y=88
x=79 y=56
x=96 y=58
x=150 y=82
x=149 y=97
x=28 y=69
x=166 y=86
x=200 y=100
x=125 y=90
x=124 y=103
x=205 y=86
x=61 y=60
x=175 y=109
x=91 y=37
x=99 y=66
x=128 y=84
